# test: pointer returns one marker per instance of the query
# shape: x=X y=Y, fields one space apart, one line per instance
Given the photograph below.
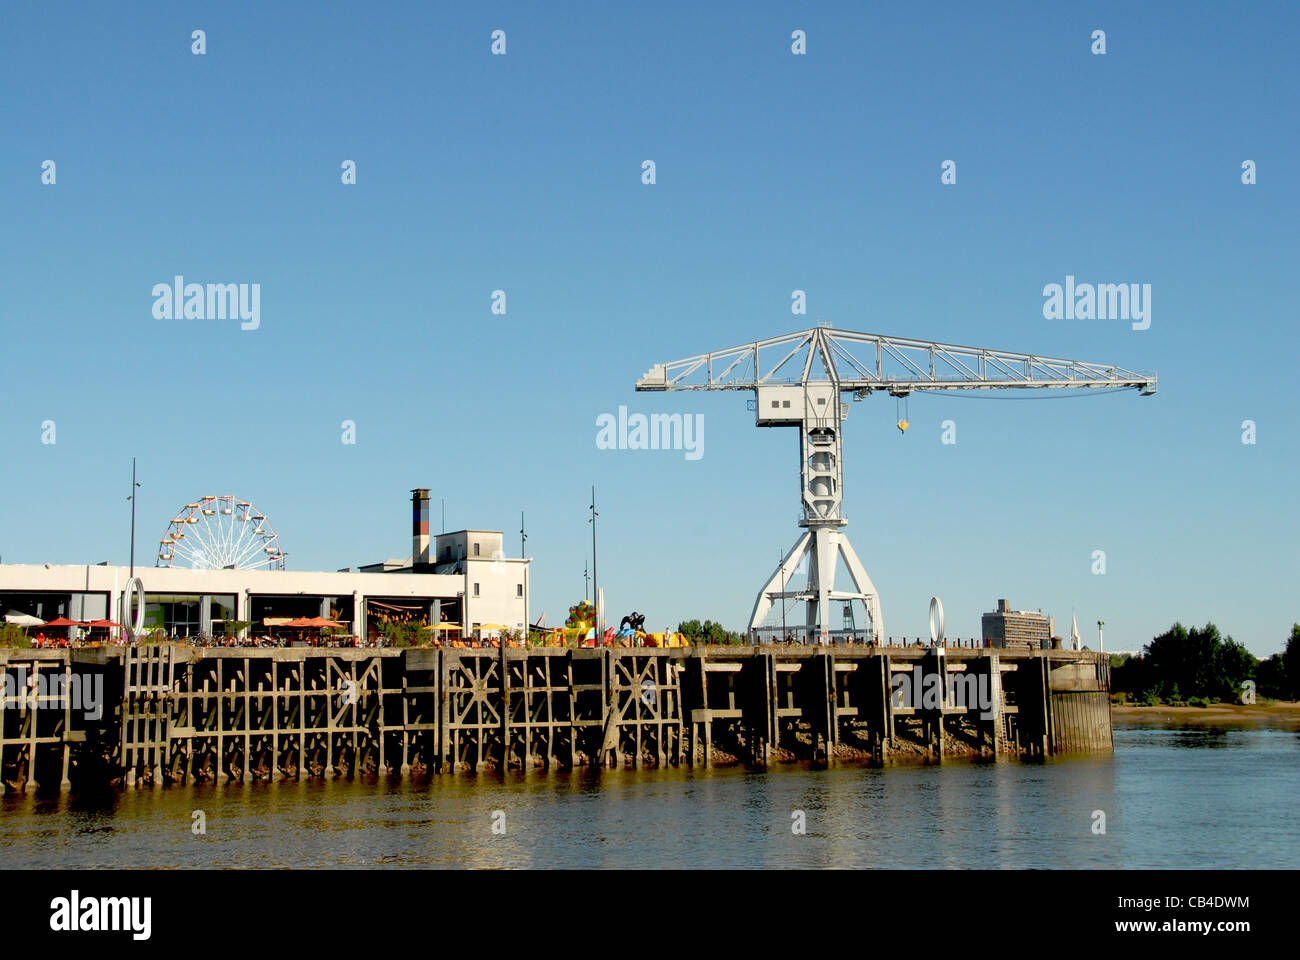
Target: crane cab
x=793 y=405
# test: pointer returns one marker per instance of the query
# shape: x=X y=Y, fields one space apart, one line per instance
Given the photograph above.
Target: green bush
x=402 y=630
x=13 y=636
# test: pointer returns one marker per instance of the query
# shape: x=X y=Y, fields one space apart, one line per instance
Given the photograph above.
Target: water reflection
x=1176 y=797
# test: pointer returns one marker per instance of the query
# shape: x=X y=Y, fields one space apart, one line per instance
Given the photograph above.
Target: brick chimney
x=419 y=528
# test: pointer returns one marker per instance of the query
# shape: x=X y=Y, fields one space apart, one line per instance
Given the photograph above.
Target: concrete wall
x=462 y=543
x=498 y=600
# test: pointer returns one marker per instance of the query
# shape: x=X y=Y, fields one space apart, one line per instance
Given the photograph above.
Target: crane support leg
x=824 y=547
x=779 y=586
x=862 y=583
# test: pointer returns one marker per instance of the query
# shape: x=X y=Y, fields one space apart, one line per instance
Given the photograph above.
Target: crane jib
x=800 y=380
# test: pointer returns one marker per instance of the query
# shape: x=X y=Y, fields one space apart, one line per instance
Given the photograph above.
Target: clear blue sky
x=775 y=172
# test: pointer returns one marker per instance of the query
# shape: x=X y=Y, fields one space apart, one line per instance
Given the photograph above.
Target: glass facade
x=177 y=615
x=181 y=615
x=220 y=609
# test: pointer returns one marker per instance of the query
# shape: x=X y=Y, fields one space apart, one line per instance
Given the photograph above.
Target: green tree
x=708 y=632
x=691 y=630
x=1233 y=666
x=1271 y=678
x=1291 y=662
x=1186 y=663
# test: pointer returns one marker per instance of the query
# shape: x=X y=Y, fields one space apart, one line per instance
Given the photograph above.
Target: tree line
x=1200 y=664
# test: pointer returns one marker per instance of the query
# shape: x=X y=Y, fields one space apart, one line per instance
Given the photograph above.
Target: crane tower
x=802 y=379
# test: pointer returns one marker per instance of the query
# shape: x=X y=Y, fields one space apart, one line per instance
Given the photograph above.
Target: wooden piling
x=175 y=713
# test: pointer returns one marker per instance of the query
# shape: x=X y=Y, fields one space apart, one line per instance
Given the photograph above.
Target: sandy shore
x=1279 y=715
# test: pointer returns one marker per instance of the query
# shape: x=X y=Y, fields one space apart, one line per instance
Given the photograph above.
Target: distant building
x=1024 y=629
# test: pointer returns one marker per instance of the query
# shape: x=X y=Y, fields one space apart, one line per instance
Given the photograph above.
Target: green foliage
x=709 y=633
x=513 y=638
x=1180 y=662
x=1272 y=679
x=13 y=636
x=1291 y=663
x=232 y=628
x=401 y=631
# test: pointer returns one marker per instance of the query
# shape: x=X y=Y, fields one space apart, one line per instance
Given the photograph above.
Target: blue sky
x=775 y=172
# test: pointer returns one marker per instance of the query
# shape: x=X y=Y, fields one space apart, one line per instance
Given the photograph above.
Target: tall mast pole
x=781 y=567
x=523 y=555
x=595 y=584
x=132 y=499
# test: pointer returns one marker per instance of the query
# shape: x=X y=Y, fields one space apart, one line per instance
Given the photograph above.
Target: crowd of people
x=41 y=641
x=100 y=638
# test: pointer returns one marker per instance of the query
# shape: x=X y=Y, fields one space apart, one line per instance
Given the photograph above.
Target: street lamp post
x=1101 y=640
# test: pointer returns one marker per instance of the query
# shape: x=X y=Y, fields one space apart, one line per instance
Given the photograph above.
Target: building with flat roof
x=472 y=583
x=1005 y=627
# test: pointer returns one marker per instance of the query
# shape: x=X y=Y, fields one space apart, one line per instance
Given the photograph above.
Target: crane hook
x=901 y=410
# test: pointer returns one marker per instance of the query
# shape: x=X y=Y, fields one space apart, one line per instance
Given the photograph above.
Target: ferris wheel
x=221 y=533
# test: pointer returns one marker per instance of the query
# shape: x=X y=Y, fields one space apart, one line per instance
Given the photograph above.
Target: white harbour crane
x=802 y=379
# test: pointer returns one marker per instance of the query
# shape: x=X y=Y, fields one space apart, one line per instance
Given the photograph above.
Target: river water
x=1171 y=798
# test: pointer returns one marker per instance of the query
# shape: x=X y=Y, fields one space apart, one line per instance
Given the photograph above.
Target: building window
x=176 y=615
x=776 y=404
x=476 y=549
x=476 y=589
x=519 y=589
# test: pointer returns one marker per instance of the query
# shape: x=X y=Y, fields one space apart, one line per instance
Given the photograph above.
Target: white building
x=470 y=583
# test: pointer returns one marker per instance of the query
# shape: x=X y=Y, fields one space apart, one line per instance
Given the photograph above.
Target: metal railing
x=802 y=636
